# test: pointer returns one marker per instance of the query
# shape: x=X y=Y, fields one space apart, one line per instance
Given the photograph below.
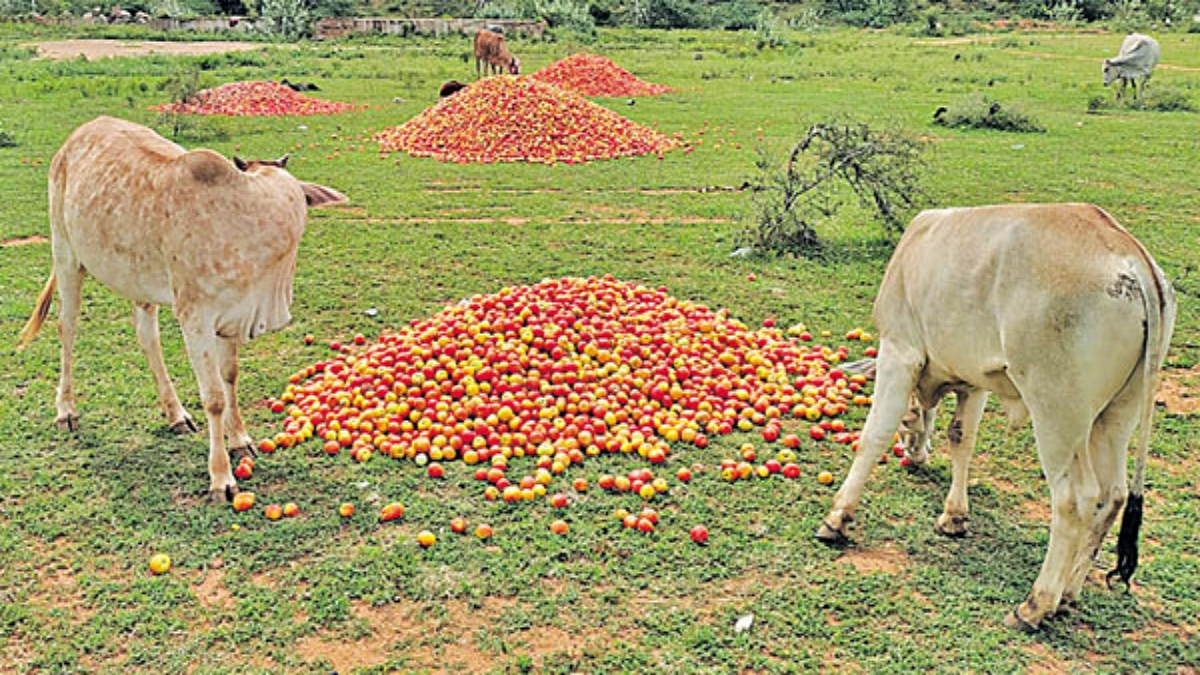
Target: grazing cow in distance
x=160 y=225
x=1064 y=316
x=1135 y=63
x=491 y=51
x=450 y=88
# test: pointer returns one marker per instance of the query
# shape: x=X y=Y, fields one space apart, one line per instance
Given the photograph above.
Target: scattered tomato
x=392 y=511
x=243 y=501
x=160 y=563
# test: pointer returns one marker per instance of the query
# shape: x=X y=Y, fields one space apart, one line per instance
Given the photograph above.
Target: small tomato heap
x=560 y=371
x=594 y=75
x=517 y=119
x=253 y=99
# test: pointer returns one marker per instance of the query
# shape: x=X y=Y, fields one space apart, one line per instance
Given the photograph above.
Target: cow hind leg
x=145 y=320
x=204 y=352
x=968 y=411
x=240 y=443
x=1062 y=439
x=1108 y=450
x=895 y=380
x=916 y=431
x=70 y=296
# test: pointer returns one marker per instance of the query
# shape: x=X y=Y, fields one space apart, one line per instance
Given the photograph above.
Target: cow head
x=314 y=195
x=1110 y=72
x=514 y=66
x=252 y=165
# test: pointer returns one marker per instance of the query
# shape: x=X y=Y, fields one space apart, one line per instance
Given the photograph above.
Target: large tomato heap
x=564 y=370
x=594 y=75
x=516 y=119
x=253 y=99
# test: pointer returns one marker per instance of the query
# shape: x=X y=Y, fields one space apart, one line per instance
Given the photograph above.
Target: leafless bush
x=882 y=169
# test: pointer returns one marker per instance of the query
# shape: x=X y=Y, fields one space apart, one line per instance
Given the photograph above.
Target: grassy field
x=81 y=515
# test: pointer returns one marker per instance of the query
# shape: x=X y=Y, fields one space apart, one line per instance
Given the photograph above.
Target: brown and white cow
x=1064 y=316
x=491 y=54
x=160 y=225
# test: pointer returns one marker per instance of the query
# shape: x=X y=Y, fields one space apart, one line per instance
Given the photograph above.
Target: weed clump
x=981 y=112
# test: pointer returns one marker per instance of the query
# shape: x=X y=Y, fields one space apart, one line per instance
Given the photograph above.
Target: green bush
x=768 y=33
x=737 y=15
x=7 y=140
x=670 y=14
x=980 y=112
x=566 y=14
x=285 y=19
x=1155 y=99
x=869 y=13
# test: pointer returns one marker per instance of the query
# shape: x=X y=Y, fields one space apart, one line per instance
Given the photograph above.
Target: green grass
x=81 y=515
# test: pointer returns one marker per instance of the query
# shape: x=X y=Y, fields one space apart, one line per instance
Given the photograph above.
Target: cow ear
x=283 y=161
x=319 y=195
x=240 y=163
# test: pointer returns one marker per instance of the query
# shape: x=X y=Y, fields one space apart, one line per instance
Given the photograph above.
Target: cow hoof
x=68 y=423
x=952 y=526
x=184 y=426
x=222 y=495
x=1014 y=620
x=1066 y=606
x=236 y=455
x=831 y=537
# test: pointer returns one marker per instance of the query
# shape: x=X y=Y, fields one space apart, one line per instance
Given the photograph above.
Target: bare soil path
x=101 y=49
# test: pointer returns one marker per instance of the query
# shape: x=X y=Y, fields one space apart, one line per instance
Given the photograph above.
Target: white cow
x=160 y=225
x=1135 y=63
x=1065 y=317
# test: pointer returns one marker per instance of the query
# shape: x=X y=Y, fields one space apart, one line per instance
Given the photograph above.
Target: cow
x=491 y=51
x=1065 y=317
x=1135 y=63
x=160 y=225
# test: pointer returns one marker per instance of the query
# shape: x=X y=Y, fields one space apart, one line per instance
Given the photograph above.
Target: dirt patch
x=102 y=49
x=687 y=189
x=15 y=656
x=426 y=640
x=1154 y=630
x=887 y=560
x=211 y=591
x=24 y=241
x=1042 y=661
x=1036 y=509
x=582 y=220
x=57 y=588
x=1179 y=391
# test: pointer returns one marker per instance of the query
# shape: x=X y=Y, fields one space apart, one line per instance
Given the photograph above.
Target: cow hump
x=209 y=167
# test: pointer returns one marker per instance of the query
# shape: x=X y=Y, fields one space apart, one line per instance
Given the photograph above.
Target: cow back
x=159 y=224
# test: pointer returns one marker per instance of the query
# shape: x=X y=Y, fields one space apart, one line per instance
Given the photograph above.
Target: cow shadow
x=1000 y=557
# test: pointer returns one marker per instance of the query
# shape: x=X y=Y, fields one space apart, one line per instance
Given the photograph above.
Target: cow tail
x=40 y=312
x=1160 y=318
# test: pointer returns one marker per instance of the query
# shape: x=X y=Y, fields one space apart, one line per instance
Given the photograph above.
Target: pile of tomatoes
x=594 y=75
x=253 y=99
x=518 y=119
x=561 y=371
